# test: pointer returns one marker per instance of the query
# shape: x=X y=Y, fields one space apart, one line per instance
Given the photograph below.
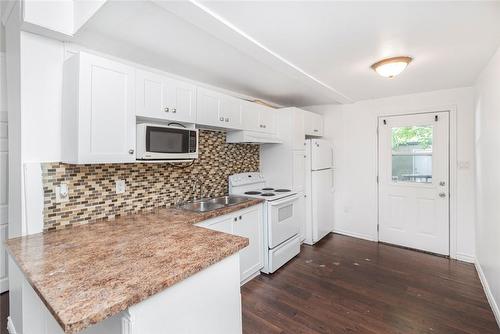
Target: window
x=412 y=154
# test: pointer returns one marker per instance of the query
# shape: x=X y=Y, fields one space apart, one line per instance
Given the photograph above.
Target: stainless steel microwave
x=162 y=142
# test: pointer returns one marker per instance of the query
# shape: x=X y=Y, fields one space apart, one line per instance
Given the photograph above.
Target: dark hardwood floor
x=347 y=285
x=4 y=312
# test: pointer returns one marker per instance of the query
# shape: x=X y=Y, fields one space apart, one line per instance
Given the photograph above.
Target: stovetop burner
x=252 y=193
x=268 y=194
x=267 y=188
x=282 y=190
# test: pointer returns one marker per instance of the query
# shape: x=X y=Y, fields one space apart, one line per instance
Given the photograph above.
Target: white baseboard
x=10 y=326
x=487 y=291
x=355 y=235
x=4 y=284
x=464 y=258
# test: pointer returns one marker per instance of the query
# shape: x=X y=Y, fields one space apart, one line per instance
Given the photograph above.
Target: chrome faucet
x=197 y=184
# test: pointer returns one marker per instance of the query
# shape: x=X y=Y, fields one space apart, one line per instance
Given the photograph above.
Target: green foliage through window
x=412 y=135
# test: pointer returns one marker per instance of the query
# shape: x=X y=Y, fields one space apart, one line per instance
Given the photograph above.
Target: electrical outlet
x=120 y=186
x=62 y=193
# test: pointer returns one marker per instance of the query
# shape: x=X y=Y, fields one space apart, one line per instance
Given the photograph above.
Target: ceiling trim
x=207 y=20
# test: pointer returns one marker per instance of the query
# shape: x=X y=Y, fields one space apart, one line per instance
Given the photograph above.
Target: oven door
x=282 y=220
x=170 y=143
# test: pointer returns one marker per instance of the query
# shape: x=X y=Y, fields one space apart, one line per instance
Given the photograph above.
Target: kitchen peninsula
x=147 y=273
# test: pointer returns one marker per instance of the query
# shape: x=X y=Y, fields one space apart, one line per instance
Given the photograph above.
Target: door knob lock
x=442 y=195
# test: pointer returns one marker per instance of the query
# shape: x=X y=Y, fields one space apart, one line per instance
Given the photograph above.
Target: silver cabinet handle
x=264 y=126
x=240 y=217
x=166 y=109
x=131 y=151
x=174 y=110
x=315 y=130
x=227 y=120
x=235 y=218
x=221 y=119
x=442 y=195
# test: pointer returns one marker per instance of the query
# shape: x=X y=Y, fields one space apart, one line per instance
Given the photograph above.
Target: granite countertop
x=88 y=273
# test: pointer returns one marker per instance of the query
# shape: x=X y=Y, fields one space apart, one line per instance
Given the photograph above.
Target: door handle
x=442 y=195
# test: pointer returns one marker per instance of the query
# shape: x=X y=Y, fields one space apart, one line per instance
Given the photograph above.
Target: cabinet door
x=298 y=133
x=249 y=225
x=209 y=105
x=250 y=116
x=150 y=98
x=318 y=125
x=313 y=124
x=106 y=111
x=267 y=119
x=181 y=100
x=231 y=112
x=299 y=170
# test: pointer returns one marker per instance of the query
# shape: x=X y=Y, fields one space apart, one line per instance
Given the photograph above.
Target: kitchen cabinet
x=298 y=134
x=98 y=116
x=257 y=117
x=313 y=124
x=161 y=97
x=247 y=223
x=215 y=109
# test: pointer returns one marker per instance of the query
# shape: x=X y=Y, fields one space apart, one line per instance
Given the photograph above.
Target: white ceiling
x=303 y=53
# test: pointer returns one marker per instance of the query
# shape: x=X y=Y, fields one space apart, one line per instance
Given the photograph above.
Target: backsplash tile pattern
x=148 y=185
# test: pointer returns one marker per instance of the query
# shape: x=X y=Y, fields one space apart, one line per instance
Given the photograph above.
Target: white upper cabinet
x=98 y=119
x=218 y=110
x=257 y=117
x=313 y=124
x=298 y=129
x=165 y=98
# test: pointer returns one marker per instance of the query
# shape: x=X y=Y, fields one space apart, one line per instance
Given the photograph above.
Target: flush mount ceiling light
x=391 y=67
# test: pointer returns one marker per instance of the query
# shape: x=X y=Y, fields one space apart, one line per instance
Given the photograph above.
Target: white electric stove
x=281 y=225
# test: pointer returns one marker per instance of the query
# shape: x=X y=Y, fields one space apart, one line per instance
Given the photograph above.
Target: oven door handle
x=286 y=200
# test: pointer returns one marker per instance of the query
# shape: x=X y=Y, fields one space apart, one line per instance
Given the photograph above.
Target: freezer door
x=322 y=203
x=321 y=154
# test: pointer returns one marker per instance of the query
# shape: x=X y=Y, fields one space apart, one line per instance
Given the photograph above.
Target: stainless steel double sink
x=209 y=204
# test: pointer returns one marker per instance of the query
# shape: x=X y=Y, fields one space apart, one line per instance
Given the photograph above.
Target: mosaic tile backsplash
x=148 y=185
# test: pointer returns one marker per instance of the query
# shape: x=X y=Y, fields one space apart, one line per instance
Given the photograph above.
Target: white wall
x=352 y=129
x=488 y=180
x=4 y=177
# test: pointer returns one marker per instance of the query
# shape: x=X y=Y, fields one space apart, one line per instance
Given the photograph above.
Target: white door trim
x=452 y=110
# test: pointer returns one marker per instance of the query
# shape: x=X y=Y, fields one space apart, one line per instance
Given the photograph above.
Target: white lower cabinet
x=246 y=223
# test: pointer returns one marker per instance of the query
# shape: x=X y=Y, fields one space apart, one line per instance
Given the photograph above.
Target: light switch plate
x=120 y=186
x=62 y=193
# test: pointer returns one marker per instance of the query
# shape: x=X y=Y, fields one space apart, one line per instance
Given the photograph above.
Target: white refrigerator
x=319 y=190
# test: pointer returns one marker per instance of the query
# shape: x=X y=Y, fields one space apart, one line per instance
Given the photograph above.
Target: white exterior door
x=414 y=181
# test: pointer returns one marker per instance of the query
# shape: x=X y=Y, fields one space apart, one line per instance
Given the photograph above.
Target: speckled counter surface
x=87 y=273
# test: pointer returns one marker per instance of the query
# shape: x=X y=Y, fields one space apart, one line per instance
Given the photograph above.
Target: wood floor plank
x=348 y=285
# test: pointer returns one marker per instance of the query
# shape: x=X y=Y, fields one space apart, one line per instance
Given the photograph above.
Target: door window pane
x=412 y=154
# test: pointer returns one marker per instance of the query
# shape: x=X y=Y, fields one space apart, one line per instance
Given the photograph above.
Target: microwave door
x=166 y=140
